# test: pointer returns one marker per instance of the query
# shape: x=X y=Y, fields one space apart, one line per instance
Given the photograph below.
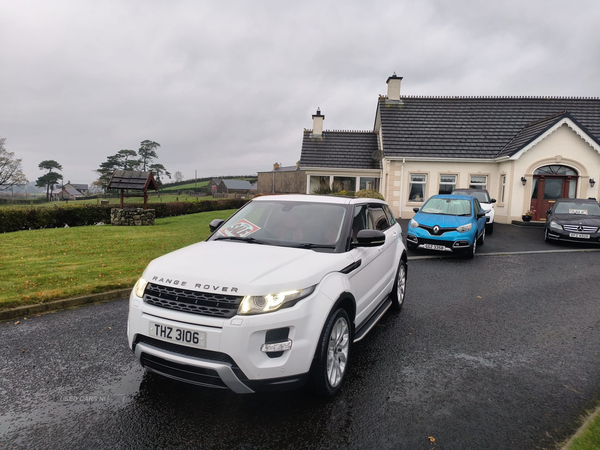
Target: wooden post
x=122 y=198
x=145 y=199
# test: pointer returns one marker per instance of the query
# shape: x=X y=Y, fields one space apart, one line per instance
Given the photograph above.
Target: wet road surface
x=496 y=352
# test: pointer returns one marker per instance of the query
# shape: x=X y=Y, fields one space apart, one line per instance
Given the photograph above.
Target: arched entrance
x=549 y=184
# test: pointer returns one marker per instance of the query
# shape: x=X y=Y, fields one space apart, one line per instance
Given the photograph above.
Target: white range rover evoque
x=274 y=298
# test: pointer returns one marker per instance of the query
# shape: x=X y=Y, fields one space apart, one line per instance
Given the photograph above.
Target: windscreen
x=585 y=209
x=447 y=206
x=287 y=223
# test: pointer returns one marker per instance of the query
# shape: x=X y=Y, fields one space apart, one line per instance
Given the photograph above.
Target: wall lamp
x=523 y=181
x=592 y=182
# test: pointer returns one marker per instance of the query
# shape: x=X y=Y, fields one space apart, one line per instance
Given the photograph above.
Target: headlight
x=414 y=223
x=140 y=287
x=464 y=228
x=554 y=225
x=258 y=304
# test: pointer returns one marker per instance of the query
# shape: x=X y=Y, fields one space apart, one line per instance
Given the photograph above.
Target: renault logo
x=436 y=229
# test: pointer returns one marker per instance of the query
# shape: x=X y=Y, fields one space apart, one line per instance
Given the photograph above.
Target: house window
x=447 y=184
x=478 y=182
x=502 y=188
x=317 y=183
x=369 y=183
x=416 y=190
x=344 y=183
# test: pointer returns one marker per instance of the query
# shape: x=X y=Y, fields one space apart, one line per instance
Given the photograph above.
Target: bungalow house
x=211 y=187
x=526 y=151
x=70 y=191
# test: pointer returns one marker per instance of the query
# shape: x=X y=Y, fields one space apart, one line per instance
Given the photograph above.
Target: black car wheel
x=472 y=249
x=333 y=351
x=399 y=289
x=490 y=228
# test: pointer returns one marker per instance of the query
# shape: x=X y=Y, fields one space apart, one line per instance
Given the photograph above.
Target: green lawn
x=43 y=265
x=589 y=439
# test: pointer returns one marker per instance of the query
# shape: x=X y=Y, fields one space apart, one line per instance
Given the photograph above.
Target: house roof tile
x=340 y=149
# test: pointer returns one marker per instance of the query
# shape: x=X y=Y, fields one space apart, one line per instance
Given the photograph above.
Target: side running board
x=369 y=324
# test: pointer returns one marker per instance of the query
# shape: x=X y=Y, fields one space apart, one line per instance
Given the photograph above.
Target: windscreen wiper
x=250 y=240
x=311 y=245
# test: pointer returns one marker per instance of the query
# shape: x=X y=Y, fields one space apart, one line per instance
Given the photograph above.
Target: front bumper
x=231 y=356
x=453 y=242
x=566 y=236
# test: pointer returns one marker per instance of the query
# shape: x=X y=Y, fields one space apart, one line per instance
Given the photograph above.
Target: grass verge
x=588 y=438
x=38 y=266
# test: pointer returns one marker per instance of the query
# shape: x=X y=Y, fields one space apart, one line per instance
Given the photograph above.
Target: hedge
x=16 y=219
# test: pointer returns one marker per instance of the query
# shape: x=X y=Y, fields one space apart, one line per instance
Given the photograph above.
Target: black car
x=573 y=219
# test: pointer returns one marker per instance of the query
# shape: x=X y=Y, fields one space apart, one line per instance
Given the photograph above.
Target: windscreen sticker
x=241 y=228
x=578 y=211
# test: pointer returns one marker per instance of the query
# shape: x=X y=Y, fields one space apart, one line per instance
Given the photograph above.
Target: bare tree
x=178 y=176
x=11 y=173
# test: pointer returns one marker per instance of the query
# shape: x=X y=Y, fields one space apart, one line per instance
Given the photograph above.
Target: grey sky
x=226 y=87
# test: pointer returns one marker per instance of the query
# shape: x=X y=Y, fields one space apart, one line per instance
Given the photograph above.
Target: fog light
x=276 y=346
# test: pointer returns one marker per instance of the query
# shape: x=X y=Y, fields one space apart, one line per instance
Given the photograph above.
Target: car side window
x=361 y=221
x=477 y=206
x=389 y=214
x=379 y=217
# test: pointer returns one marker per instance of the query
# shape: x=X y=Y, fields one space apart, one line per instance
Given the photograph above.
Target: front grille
x=203 y=303
x=199 y=353
x=441 y=230
x=196 y=375
x=580 y=229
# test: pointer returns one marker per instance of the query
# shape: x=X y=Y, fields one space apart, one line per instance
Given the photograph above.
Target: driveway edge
x=28 y=310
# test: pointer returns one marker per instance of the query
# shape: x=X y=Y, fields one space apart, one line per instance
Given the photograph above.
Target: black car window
x=477 y=206
x=361 y=221
x=379 y=217
x=389 y=214
x=587 y=209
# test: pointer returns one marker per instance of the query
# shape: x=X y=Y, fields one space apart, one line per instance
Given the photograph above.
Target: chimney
x=393 y=91
x=318 y=123
x=275 y=166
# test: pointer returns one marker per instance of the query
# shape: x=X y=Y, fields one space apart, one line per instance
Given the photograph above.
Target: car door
x=480 y=220
x=371 y=278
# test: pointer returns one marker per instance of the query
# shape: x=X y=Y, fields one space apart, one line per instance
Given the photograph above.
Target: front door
x=546 y=190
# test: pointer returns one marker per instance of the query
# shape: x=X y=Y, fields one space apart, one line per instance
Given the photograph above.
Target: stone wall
x=132 y=217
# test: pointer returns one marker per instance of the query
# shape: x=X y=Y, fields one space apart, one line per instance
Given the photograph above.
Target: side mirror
x=416 y=210
x=369 y=238
x=493 y=200
x=548 y=212
x=480 y=214
x=215 y=224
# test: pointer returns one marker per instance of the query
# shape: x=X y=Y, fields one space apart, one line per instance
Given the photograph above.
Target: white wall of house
x=562 y=146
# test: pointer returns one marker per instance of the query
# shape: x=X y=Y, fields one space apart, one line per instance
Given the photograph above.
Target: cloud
x=227 y=87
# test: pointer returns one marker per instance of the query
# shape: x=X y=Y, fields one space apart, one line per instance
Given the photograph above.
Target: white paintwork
x=254 y=269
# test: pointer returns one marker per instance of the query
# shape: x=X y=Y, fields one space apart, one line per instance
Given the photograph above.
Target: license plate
x=579 y=235
x=434 y=247
x=176 y=334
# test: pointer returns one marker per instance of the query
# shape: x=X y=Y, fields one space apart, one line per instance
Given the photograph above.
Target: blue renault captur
x=448 y=223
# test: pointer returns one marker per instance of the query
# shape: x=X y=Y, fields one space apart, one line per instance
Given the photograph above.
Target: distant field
x=200 y=184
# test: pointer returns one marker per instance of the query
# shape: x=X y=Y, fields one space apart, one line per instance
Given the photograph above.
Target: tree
x=123 y=160
x=11 y=173
x=178 y=176
x=50 y=179
x=159 y=170
x=147 y=153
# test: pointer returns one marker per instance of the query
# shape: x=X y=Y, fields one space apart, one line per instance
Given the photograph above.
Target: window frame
x=423 y=183
x=440 y=183
x=476 y=185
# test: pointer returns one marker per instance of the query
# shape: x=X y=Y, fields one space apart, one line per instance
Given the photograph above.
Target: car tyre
x=399 y=289
x=490 y=228
x=546 y=238
x=331 y=359
x=481 y=239
x=472 y=249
